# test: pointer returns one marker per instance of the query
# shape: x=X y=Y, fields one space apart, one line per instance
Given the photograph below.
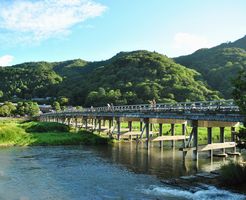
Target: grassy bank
x=14 y=132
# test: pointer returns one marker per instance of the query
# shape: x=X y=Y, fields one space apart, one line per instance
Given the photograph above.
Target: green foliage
x=14 y=132
x=136 y=77
x=11 y=134
x=27 y=108
x=233 y=174
x=239 y=92
x=42 y=127
x=7 y=109
x=56 y=106
x=127 y=78
x=218 y=65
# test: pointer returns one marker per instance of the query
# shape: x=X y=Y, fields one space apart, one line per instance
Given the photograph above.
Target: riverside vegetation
x=16 y=132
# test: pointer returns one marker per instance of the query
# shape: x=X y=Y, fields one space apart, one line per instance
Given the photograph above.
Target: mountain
x=127 y=78
x=218 y=65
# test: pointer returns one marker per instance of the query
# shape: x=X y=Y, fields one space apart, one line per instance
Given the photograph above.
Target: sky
x=94 y=30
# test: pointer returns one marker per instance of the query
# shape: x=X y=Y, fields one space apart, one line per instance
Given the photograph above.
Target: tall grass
x=42 y=127
x=233 y=174
x=44 y=133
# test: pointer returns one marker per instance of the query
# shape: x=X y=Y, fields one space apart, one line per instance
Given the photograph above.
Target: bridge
x=209 y=114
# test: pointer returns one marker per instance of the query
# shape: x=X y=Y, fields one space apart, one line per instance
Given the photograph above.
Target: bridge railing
x=225 y=106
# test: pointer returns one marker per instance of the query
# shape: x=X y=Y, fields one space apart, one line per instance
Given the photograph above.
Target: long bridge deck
x=207 y=114
x=208 y=110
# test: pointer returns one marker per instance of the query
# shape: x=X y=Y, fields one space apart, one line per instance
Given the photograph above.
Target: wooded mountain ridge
x=129 y=77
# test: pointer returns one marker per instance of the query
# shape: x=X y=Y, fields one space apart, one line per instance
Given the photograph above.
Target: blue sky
x=56 y=30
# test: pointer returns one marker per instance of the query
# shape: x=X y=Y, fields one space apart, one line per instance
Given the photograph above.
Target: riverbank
x=17 y=132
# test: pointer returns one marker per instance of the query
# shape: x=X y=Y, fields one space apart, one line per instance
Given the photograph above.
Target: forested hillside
x=218 y=65
x=127 y=78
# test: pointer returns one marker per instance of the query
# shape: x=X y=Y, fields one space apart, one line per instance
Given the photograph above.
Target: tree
x=56 y=106
x=63 y=101
x=239 y=92
x=1 y=93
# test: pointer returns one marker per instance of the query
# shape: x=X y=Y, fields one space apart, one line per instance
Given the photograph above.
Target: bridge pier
x=172 y=133
x=141 y=126
x=130 y=128
x=118 y=128
x=160 y=134
x=222 y=138
x=147 y=127
x=210 y=152
x=195 y=139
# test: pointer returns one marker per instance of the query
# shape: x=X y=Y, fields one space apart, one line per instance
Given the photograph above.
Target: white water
x=210 y=193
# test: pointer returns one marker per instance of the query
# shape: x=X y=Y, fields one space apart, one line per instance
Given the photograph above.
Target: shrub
x=233 y=173
x=42 y=127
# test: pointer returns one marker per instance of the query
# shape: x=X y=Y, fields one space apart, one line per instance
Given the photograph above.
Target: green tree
x=63 y=101
x=239 y=92
x=56 y=106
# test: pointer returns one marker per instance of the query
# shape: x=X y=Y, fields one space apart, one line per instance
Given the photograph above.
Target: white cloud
x=42 y=19
x=188 y=43
x=6 y=60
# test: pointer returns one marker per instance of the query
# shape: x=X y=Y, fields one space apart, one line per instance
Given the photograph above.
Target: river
x=120 y=171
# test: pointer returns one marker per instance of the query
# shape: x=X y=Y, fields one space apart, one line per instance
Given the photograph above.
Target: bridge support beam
x=130 y=128
x=147 y=127
x=172 y=133
x=222 y=137
x=184 y=133
x=141 y=126
x=118 y=128
x=195 y=139
x=160 y=134
x=99 y=125
x=210 y=152
x=76 y=124
x=233 y=130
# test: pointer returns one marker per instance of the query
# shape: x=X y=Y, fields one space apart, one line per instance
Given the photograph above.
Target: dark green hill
x=218 y=65
x=127 y=78
x=136 y=77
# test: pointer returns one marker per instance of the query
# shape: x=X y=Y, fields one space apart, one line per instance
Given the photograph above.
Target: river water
x=120 y=171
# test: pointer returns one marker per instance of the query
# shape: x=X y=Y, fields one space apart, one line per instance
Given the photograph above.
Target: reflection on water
x=121 y=171
x=163 y=163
